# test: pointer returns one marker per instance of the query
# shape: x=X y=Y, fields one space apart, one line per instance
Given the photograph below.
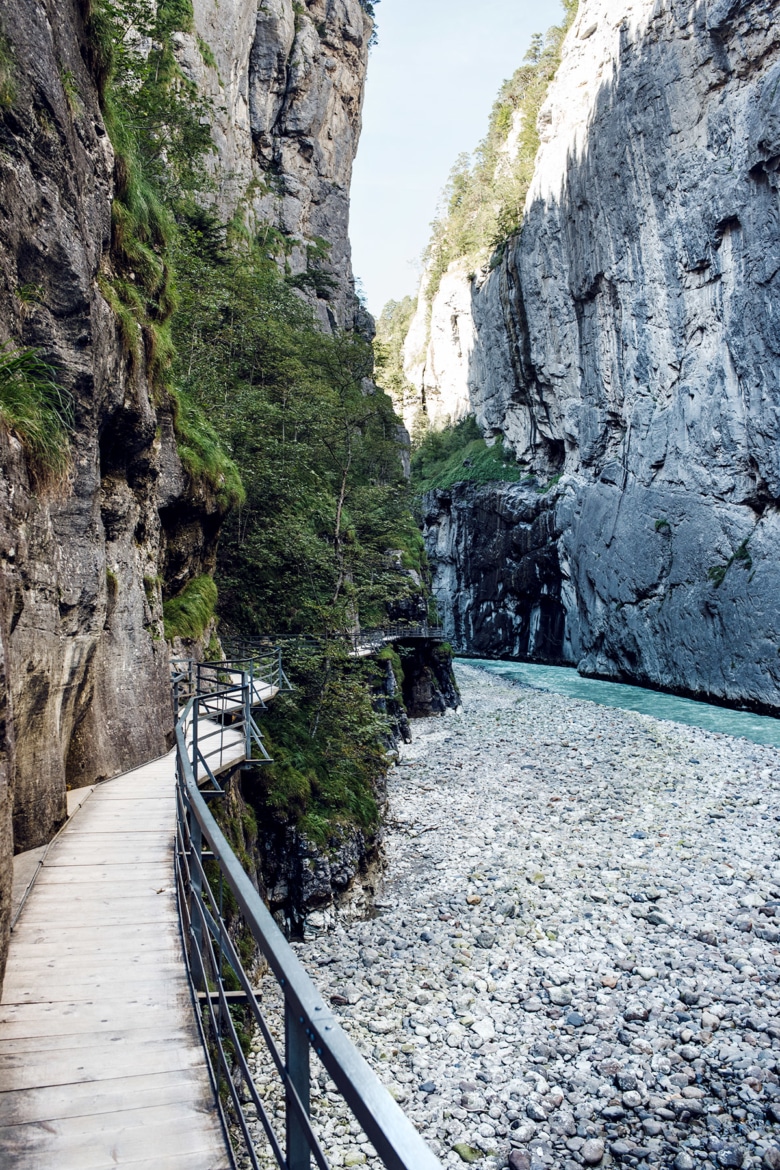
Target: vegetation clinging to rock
x=188 y=614
x=484 y=197
x=392 y=326
x=458 y=454
x=7 y=83
x=37 y=409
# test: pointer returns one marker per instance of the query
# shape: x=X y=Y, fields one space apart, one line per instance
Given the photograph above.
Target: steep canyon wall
x=626 y=345
x=86 y=559
x=285 y=82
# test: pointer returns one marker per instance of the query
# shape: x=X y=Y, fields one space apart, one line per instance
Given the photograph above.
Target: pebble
x=592 y=1152
x=557 y=948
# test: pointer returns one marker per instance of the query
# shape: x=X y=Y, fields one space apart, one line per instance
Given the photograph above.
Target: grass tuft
x=203 y=456
x=37 y=409
x=188 y=614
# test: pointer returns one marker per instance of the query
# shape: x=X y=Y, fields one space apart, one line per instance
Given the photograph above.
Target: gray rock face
x=84 y=689
x=498 y=578
x=286 y=86
x=6 y=825
x=629 y=341
x=84 y=664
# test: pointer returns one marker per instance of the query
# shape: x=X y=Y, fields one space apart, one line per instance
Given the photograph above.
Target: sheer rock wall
x=84 y=665
x=628 y=342
x=286 y=84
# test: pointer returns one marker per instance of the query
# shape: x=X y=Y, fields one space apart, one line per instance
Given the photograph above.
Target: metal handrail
x=219 y=727
x=309 y=1024
x=361 y=639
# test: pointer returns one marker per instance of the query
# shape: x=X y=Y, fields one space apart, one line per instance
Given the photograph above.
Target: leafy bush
x=392 y=326
x=37 y=409
x=319 y=454
x=188 y=614
x=327 y=745
x=459 y=454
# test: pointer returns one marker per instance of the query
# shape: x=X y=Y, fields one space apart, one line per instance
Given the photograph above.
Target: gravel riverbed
x=576 y=955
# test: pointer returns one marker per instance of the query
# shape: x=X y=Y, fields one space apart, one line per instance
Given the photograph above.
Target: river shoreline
x=575 y=949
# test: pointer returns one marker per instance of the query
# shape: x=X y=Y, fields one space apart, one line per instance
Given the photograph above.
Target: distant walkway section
x=101 y=1060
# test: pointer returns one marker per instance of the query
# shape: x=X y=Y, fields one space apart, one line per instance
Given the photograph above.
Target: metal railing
x=359 y=640
x=219 y=728
x=208 y=876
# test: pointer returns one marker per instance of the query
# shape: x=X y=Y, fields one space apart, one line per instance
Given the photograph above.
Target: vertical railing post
x=296 y=1051
x=247 y=716
x=196 y=891
x=279 y=666
x=195 y=706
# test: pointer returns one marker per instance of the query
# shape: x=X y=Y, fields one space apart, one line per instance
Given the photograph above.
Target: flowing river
x=564 y=680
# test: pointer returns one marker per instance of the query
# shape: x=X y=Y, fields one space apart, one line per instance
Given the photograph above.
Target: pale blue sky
x=432 y=80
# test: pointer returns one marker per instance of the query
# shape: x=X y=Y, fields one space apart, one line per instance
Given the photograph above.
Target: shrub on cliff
x=459 y=454
x=484 y=197
x=318 y=447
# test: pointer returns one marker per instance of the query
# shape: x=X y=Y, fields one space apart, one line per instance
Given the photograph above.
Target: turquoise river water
x=564 y=680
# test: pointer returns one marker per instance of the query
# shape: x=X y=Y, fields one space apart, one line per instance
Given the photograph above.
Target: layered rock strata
x=628 y=342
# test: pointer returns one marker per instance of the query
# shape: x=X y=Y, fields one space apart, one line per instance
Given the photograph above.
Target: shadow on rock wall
x=629 y=342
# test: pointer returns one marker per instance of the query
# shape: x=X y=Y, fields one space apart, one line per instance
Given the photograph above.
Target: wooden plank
x=98 y=944
x=95 y=1062
x=91 y=1016
x=105 y=819
x=153 y=876
x=121 y=854
x=156 y=791
x=128 y=1031
x=113 y=1138
x=172 y=980
x=111 y=886
x=80 y=1156
x=108 y=1096
x=86 y=933
x=27 y=964
x=83 y=912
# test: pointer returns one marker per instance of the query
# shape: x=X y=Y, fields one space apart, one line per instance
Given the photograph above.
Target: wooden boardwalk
x=101 y=1062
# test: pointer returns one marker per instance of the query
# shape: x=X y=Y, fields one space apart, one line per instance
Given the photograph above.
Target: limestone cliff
x=84 y=561
x=628 y=342
x=438 y=348
x=286 y=81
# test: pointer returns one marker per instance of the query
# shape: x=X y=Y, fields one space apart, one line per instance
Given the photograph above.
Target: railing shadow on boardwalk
x=216 y=699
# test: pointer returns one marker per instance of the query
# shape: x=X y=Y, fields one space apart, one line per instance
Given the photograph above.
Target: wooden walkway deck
x=101 y=1063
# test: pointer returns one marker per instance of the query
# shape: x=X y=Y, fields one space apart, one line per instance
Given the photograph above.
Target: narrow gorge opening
x=389 y=607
